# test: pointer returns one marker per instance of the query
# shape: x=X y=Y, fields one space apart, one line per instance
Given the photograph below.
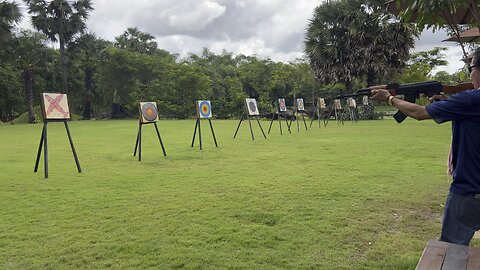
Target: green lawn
x=359 y=196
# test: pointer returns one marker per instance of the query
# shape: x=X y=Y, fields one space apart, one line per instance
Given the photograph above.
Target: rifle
x=412 y=91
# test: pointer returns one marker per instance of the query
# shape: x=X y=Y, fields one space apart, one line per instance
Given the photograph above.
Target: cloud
x=268 y=28
x=429 y=40
x=272 y=29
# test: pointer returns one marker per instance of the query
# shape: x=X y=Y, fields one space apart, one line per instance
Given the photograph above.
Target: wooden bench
x=439 y=255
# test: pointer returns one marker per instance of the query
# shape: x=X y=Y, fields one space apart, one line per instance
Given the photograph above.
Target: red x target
x=57 y=106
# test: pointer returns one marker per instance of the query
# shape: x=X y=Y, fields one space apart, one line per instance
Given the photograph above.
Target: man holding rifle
x=462 y=209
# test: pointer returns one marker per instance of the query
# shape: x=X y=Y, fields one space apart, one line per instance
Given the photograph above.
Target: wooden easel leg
x=271 y=122
x=45 y=152
x=329 y=115
x=305 y=123
x=138 y=138
x=39 y=149
x=241 y=119
x=297 y=120
x=140 y=143
x=199 y=134
x=73 y=147
x=195 y=131
x=160 y=139
x=258 y=121
x=213 y=133
x=288 y=126
x=311 y=119
x=279 y=123
x=325 y=121
x=319 y=121
x=251 y=130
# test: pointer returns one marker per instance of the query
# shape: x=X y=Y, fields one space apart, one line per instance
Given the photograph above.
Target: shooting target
x=148 y=112
x=300 y=105
x=55 y=106
x=337 y=104
x=252 y=106
x=321 y=103
x=365 y=100
x=281 y=105
x=204 y=109
x=351 y=103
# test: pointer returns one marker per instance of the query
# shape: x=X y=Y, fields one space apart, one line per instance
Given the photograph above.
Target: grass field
x=359 y=196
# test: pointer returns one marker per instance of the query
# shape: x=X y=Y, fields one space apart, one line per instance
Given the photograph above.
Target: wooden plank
x=474 y=259
x=456 y=257
x=432 y=258
x=436 y=243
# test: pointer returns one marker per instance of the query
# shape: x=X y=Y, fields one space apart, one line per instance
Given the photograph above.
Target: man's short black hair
x=476 y=58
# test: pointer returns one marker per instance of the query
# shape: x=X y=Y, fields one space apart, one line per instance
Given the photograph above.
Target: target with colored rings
x=148 y=112
x=204 y=109
x=281 y=105
x=252 y=106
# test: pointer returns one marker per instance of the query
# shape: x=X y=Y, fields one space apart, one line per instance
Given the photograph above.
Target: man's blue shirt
x=463 y=109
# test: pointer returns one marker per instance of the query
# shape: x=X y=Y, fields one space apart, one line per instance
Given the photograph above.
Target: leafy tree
x=60 y=20
x=434 y=57
x=10 y=92
x=127 y=78
x=226 y=92
x=416 y=72
x=136 y=41
x=439 y=14
x=31 y=49
x=421 y=64
x=255 y=75
x=88 y=50
x=444 y=77
x=349 y=39
x=9 y=14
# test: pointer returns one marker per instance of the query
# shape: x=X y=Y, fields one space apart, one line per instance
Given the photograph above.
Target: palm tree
x=136 y=41
x=60 y=20
x=348 y=40
x=88 y=49
x=31 y=48
x=9 y=14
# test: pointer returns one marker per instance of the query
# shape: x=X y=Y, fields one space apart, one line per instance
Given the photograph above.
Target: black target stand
x=302 y=112
x=320 y=112
x=43 y=144
x=339 y=112
x=279 y=113
x=250 y=124
x=138 y=144
x=197 y=124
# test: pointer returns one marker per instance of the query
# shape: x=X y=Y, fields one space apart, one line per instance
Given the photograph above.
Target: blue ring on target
x=205 y=109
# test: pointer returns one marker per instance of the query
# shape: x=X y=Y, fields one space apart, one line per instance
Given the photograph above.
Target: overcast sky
x=267 y=28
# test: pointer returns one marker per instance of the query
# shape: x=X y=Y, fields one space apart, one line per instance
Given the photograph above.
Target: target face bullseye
x=148 y=112
x=252 y=106
x=204 y=108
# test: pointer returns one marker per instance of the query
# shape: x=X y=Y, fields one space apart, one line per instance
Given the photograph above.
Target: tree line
x=348 y=44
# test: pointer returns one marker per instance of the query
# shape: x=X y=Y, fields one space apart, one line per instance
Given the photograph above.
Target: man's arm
x=410 y=109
